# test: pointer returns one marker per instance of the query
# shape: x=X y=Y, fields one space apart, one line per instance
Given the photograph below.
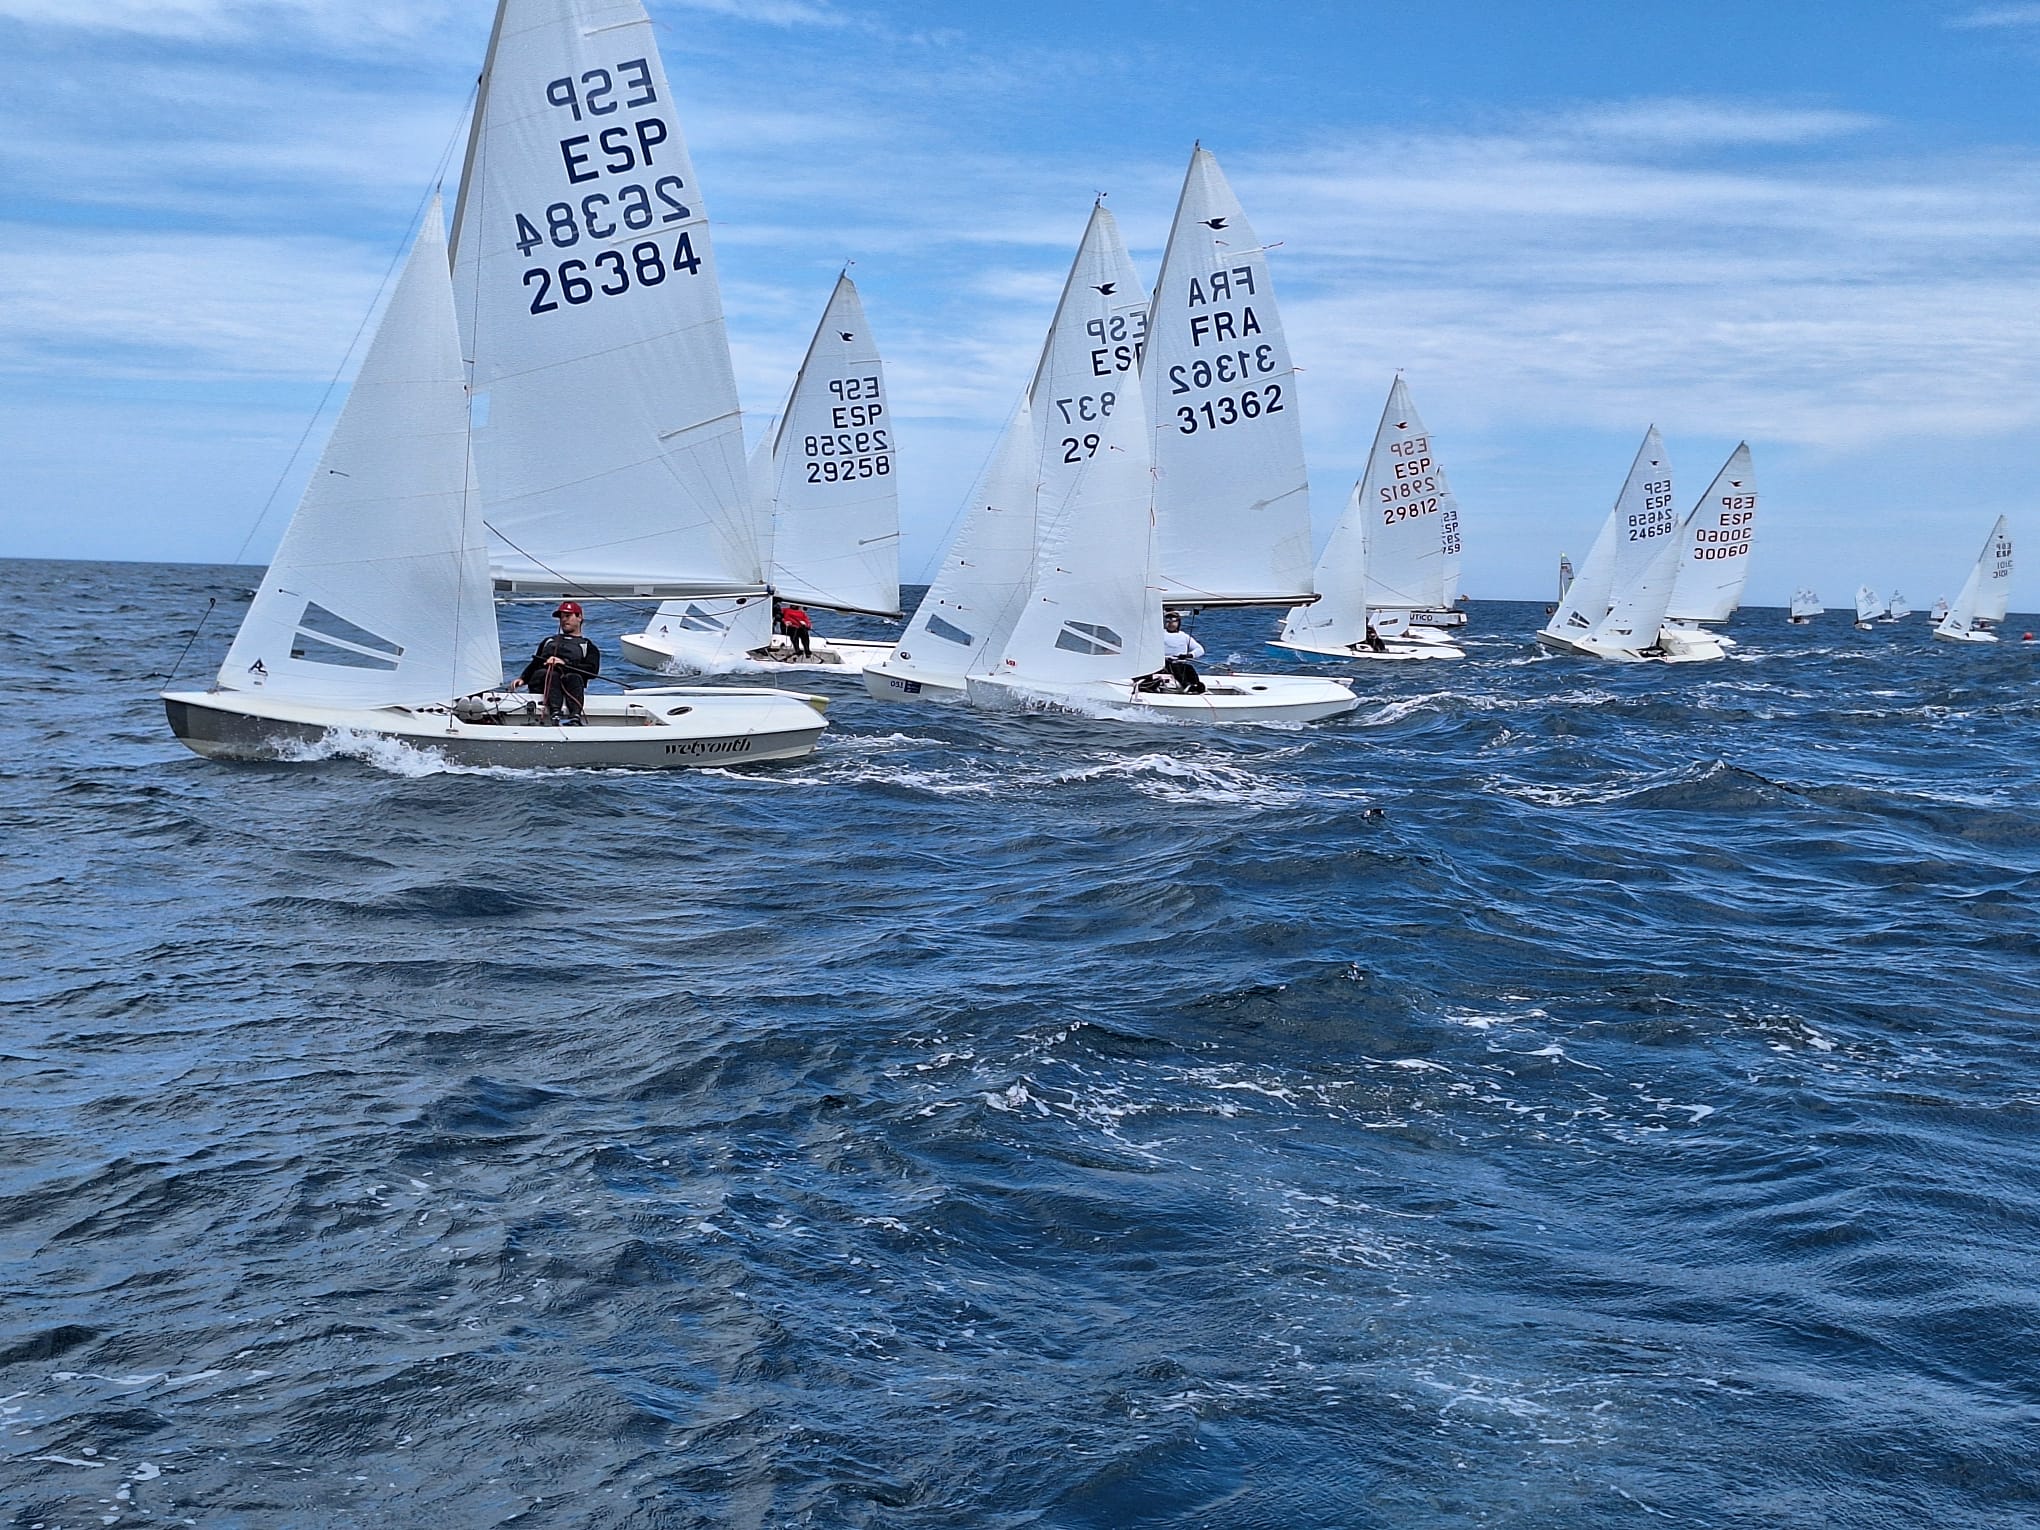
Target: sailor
x=1178 y=649
x=1374 y=640
x=561 y=669
x=799 y=628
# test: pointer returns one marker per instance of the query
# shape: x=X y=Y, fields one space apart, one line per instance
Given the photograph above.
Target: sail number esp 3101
x=626 y=216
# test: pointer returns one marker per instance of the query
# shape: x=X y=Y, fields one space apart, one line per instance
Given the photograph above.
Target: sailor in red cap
x=561 y=669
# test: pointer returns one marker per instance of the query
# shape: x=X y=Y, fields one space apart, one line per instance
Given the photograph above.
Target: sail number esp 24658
x=641 y=206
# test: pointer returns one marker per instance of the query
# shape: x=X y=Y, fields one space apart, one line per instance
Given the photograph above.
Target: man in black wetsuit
x=559 y=672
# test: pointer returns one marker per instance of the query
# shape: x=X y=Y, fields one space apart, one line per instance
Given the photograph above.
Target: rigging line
x=417 y=212
x=467 y=418
x=210 y=602
x=567 y=581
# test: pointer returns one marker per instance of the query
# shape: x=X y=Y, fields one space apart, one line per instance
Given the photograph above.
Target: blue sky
x=1816 y=226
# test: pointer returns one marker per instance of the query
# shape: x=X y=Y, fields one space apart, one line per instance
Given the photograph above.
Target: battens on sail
x=379 y=592
x=1986 y=593
x=1719 y=534
x=1232 y=500
x=608 y=438
x=836 y=504
x=1387 y=556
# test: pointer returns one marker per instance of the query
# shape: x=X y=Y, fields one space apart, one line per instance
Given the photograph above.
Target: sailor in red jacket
x=799 y=630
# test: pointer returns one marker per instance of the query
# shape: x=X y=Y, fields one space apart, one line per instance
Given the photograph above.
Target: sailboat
x=1624 y=578
x=1089 y=636
x=1897 y=609
x=1565 y=577
x=375 y=620
x=826 y=470
x=1868 y=607
x=1718 y=535
x=608 y=440
x=1939 y=610
x=1804 y=608
x=1985 y=594
x=1386 y=557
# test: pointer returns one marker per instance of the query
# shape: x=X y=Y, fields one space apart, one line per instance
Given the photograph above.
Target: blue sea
x=1001 y=1121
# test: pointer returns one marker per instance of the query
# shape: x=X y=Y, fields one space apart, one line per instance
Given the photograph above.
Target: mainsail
x=607 y=432
x=1232 y=499
x=1634 y=531
x=1716 y=562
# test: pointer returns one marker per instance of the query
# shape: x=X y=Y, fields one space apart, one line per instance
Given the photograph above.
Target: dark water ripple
x=1022 y=1122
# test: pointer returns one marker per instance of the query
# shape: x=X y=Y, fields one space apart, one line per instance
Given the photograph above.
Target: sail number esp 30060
x=642 y=206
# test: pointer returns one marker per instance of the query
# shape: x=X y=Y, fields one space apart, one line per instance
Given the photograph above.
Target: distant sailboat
x=1940 y=610
x=1600 y=614
x=1805 y=607
x=1868 y=607
x=1896 y=609
x=825 y=470
x=1980 y=607
x=1719 y=533
x=1386 y=557
x=1565 y=575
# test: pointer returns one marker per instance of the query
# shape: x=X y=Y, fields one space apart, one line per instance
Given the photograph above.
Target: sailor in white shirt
x=1178 y=649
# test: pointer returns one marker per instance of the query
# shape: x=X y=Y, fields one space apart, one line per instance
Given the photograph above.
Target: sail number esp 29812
x=634 y=213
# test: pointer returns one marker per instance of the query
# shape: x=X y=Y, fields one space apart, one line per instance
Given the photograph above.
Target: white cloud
x=1697 y=123
x=1989 y=16
x=339 y=21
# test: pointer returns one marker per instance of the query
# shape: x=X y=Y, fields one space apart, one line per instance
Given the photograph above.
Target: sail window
x=1088 y=638
x=324 y=637
x=949 y=632
x=698 y=620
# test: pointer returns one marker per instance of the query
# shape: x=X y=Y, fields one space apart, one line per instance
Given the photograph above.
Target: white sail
x=1898 y=608
x=1232 y=500
x=836 y=521
x=1640 y=608
x=1388 y=552
x=1565 y=575
x=1940 y=609
x=962 y=623
x=1082 y=381
x=1805 y=603
x=1634 y=531
x=607 y=435
x=1092 y=612
x=1716 y=561
x=1868 y=606
x=1986 y=593
x=379 y=593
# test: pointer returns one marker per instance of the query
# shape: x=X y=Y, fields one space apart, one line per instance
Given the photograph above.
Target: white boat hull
x=833 y=656
x=1392 y=648
x=1225 y=699
x=1964 y=637
x=1691 y=645
x=661 y=728
x=889 y=684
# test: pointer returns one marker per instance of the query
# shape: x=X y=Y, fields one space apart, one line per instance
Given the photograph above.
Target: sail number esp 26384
x=643 y=205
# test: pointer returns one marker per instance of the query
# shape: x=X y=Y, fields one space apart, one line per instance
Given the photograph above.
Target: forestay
x=1720 y=533
x=1232 y=501
x=1387 y=555
x=1986 y=593
x=379 y=594
x=607 y=434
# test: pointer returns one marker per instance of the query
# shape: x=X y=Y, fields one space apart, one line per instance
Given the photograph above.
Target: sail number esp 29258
x=622 y=225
